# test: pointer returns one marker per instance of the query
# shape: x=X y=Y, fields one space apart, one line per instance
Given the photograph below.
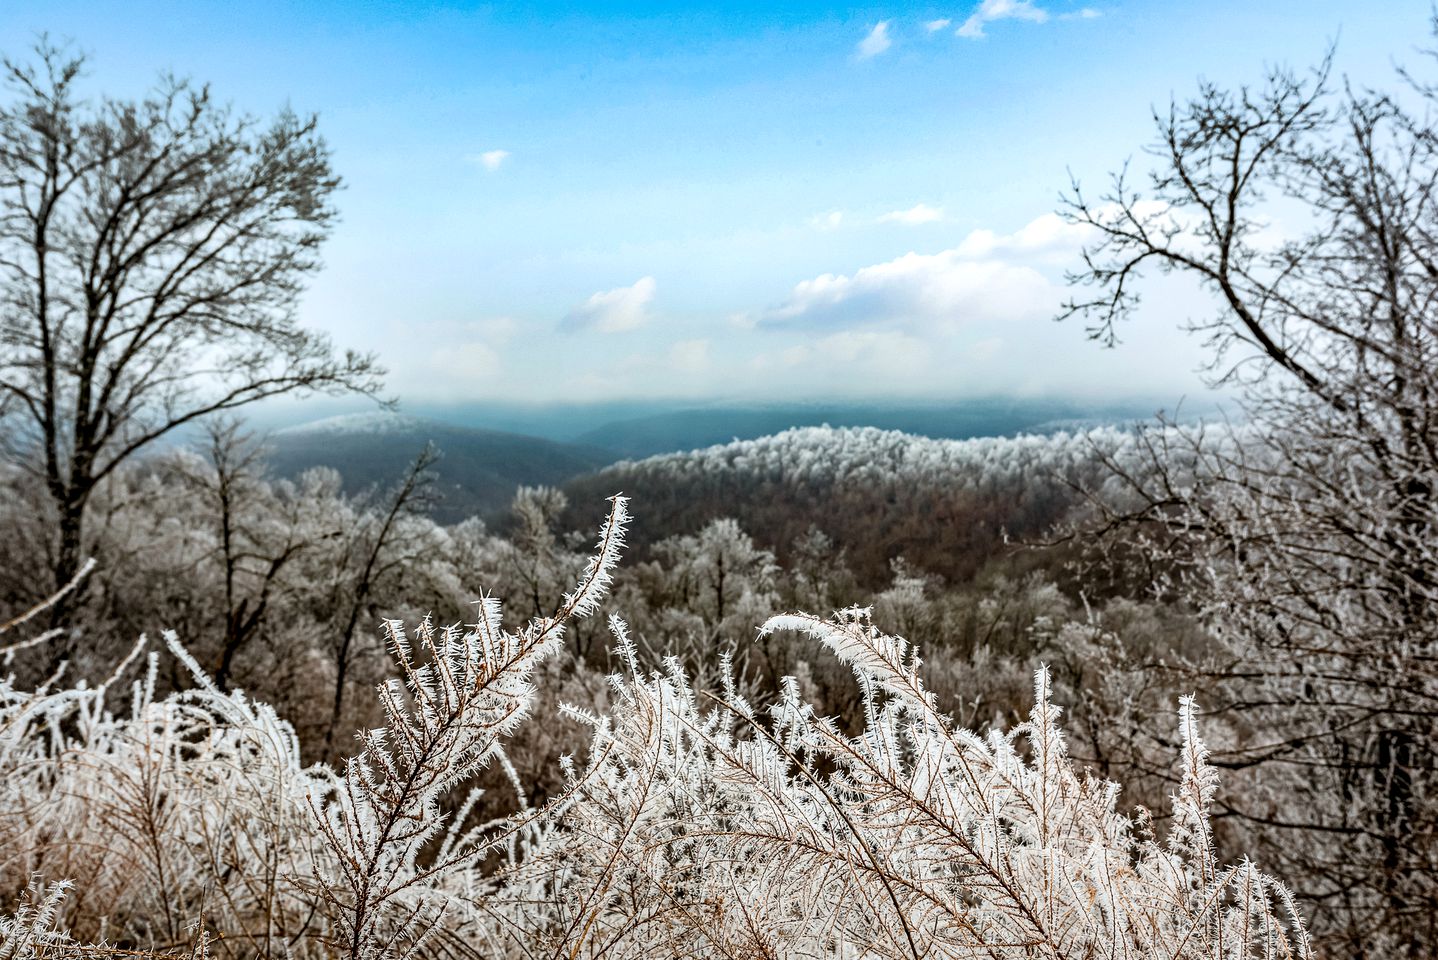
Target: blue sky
x=577 y=202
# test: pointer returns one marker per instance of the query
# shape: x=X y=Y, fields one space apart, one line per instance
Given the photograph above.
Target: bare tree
x=257 y=535
x=1306 y=532
x=152 y=253
x=382 y=547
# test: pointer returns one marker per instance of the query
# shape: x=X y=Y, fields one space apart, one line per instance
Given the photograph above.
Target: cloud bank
x=936 y=292
x=987 y=278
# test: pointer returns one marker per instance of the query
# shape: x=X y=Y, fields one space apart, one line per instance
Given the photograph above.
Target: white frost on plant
x=696 y=826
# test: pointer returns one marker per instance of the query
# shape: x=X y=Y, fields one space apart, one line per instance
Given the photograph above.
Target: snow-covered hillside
x=944 y=504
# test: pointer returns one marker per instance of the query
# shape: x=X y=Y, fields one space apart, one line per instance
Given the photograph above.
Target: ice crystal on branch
x=463 y=691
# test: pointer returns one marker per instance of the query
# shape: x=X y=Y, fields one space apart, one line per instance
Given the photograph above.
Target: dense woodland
x=305 y=570
x=1165 y=691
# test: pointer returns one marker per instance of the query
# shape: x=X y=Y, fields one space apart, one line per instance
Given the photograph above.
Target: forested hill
x=944 y=505
x=671 y=429
x=477 y=473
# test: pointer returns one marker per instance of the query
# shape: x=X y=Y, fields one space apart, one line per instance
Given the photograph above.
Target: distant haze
x=642 y=427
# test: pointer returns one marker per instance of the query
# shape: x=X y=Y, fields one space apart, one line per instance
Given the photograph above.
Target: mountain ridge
x=477 y=473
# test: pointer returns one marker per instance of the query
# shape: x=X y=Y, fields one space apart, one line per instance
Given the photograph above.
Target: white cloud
x=613 y=311
x=875 y=43
x=934 y=26
x=1043 y=237
x=490 y=160
x=988 y=278
x=689 y=356
x=1087 y=13
x=992 y=10
x=914 y=216
x=827 y=221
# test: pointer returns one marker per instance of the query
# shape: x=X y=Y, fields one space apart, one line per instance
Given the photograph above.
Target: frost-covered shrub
x=710 y=830
x=177 y=807
x=696 y=825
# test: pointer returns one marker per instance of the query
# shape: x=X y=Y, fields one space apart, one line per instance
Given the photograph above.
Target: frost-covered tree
x=1307 y=536
x=152 y=253
x=877 y=494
